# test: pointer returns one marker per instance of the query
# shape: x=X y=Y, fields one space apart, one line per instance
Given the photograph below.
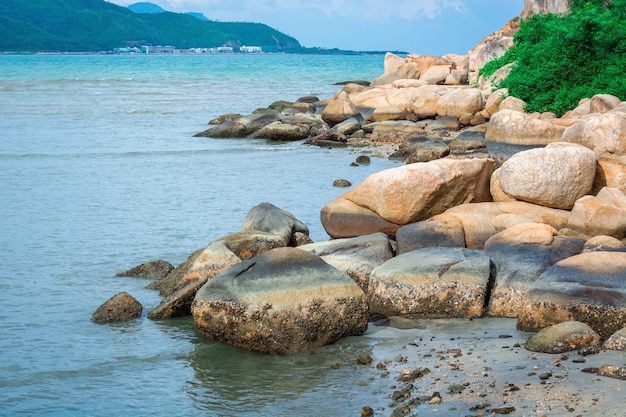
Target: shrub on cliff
x=560 y=59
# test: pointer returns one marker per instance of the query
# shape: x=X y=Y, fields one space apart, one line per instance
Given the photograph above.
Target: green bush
x=560 y=59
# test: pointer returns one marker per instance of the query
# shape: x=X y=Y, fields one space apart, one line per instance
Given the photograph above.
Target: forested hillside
x=559 y=59
x=96 y=25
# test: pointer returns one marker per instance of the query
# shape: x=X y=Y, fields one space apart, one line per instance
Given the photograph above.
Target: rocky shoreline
x=498 y=216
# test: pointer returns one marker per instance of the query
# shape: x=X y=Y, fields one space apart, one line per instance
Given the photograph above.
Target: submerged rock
x=158 y=269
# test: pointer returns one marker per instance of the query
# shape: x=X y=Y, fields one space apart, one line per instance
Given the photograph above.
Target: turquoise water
x=99 y=171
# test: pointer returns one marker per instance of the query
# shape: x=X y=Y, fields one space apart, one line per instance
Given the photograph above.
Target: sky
x=430 y=27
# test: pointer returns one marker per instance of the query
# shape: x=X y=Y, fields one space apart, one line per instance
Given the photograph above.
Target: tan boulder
x=492 y=104
x=431 y=283
x=606 y=132
x=555 y=176
x=582 y=109
x=396 y=68
x=601 y=103
x=497 y=193
x=411 y=193
x=408 y=83
x=339 y=109
x=480 y=221
x=342 y=218
x=513 y=103
x=510 y=131
x=603 y=243
x=386 y=113
x=611 y=172
x=457 y=77
x=425 y=103
x=604 y=214
x=590 y=287
x=459 y=102
x=491 y=47
x=436 y=74
x=532 y=7
x=394 y=131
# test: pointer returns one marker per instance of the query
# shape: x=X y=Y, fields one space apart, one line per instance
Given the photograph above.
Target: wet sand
x=480 y=367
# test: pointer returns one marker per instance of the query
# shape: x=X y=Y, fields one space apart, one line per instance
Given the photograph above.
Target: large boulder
x=555 y=176
x=268 y=218
x=356 y=257
x=241 y=127
x=492 y=46
x=339 y=109
x=590 y=287
x=460 y=102
x=606 y=132
x=520 y=255
x=471 y=225
x=411 y=67
x=532 y=7
x=611 y=172
x=604 y=214
x=510 y=131
x=436 y=74
x=409 y=193
x=431 y=283
x=120 y=307
x=281 y=302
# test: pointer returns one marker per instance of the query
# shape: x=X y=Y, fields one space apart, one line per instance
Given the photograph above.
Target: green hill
x=96 y=25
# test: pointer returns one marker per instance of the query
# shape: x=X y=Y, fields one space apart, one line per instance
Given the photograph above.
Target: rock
x=606 y=132
x=513 y=103
x=589 y=287
x=601 y=103
x=617 y=341
x=460 y=102
x=281 y=302
x=431 y=283
x=284 y=132
x=241 y=127
x=611 y=172
x=443 y=123
x=172 y=282
x=348 y=127
x=467 y=141
x=342 y=183
x=520 y=255
x=423 y=149
x=491 y=47
x=396 y=68
x=394 y=131
x=121 y=307
x=408 y=83
x=356 y=257
x=268 y=218
x=229 y=117
x=475 y=223
x=604 y=244
x=492 y=104
x=363 y=160
x=613 y=371
x=426 y=100
x=604 y=214
x=497 y=193
x=151 y=270
x=382 y=114
x=563 y=337
x=311 y=99
x=436 y=74
x=407 y=194
x=447 y=232
x=532 y=7
x=555 y=176
x=339 y=109
x=509 y=132
x=206 y=264
x=457 y=77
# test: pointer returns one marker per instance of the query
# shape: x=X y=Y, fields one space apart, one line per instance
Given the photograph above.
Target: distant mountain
x=145 y=7
x=199 y=16
x=96 y=25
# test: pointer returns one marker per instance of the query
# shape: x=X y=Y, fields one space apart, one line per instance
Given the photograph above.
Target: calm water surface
x=99 y=171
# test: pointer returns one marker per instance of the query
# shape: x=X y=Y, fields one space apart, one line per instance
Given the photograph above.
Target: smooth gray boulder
x=431 y=283
x=281 y=302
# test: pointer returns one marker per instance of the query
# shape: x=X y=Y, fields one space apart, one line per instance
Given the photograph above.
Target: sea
x=99 y=172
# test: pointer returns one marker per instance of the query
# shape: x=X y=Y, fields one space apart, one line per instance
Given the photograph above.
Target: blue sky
x=433 y=27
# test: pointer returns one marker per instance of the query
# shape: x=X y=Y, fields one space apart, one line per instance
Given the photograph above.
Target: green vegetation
x=560 y=59
x=96 y=25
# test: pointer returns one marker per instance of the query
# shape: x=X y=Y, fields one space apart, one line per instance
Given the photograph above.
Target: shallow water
x=99 y=171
